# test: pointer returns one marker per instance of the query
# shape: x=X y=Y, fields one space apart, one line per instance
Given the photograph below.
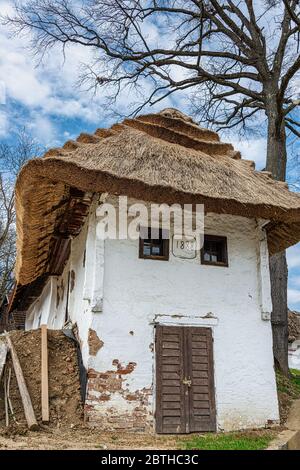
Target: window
x=154 y=248
x=214 y=251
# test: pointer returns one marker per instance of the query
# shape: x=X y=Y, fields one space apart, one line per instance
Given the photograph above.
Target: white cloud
x=3 y=123
x=49 y=89
x=293 y=256
x=252 y=149
x=295 y=280
x=294 y=297
x=293 y=260
x=2 y=92
x=6 y=7
x=43 y=130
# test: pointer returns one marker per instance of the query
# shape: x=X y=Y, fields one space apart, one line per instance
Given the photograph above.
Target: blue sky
x=47 y=101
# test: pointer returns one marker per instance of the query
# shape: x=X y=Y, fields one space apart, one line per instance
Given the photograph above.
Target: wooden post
x=26 y=400
x=6 y=403
x=44 y=378
x=3 y=352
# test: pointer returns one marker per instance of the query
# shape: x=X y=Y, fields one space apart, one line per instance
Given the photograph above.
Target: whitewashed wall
x=122 y=297
x=50 y=308
x=294 y=355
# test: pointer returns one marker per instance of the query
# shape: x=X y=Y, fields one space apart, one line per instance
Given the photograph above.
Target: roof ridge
x=212 y=148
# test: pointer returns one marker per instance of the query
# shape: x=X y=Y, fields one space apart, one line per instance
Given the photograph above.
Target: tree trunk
x=276 y=145
x=276 y=164
x=279 y=318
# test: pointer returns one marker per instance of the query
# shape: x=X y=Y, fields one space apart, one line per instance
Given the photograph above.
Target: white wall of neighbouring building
x=294 y=355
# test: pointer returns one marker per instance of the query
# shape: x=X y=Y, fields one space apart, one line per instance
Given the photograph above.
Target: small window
x=154 y=248
x=214 y=251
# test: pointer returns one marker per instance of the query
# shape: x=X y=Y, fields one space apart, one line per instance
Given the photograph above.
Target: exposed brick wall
x=104 y=389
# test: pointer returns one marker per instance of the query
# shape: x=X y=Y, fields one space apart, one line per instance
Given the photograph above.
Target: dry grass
x=87 y=439
x=288 y=390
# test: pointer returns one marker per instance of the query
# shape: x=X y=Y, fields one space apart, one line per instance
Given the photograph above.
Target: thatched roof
x=293 y=325
x=162 y=157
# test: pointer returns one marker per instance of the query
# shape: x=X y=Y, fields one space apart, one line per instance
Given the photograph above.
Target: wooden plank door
x=185 y=399
x=170 y=393
x=202 y=409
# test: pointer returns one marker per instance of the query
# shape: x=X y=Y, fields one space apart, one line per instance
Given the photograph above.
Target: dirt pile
x=294 y=325
x=64 y=386
x=288 y=390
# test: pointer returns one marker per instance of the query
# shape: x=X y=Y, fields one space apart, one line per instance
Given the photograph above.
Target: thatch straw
x=161 y=157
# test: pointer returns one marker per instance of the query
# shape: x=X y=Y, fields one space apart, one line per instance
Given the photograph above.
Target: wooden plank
x=199 y=338
x=171 y=405
x=6 y=403
x=169 y=345
x=199 y=381
x=171 y=337
x=201 y=412
x=166 y=368
x=175 y=398
x=26 y=400
x=175 y=390
x=170 y=375
x=199 y=359
x=170 y=353
x=44 y=375
x=201 y=396
x=171 y=382
x=200 y=389
x=197 y=366
x=198 y=403
x=170 y=361
x=199 y=374
x=172 y=429
x=199 y=345
x=170 y=414
x=174 y=420
x=202 y=393
x=3 y=354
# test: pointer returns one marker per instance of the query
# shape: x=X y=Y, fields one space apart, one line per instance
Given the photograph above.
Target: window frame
x=166 y=249
x=216 y=238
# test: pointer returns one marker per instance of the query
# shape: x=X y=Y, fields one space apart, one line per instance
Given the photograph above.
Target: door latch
x=187 y=382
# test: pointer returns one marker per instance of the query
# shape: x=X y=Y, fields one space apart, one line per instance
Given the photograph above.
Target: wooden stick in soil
x=44 y=378
x=5 y=401
x=8 y=397
x=3 y=353
x=26 y=400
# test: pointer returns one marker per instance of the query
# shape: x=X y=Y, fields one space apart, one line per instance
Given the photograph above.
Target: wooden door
x=185 y=395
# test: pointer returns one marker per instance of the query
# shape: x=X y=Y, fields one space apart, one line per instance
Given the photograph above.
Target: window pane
x=147 y=248
x=214 y=249
x=157 y=250
x=156 y=247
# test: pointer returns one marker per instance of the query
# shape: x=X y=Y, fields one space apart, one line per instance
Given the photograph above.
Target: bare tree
x=240 y=59
x=12 y=157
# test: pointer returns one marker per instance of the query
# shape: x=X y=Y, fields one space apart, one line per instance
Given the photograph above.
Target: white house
x=174 y=339
x=294 y=340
